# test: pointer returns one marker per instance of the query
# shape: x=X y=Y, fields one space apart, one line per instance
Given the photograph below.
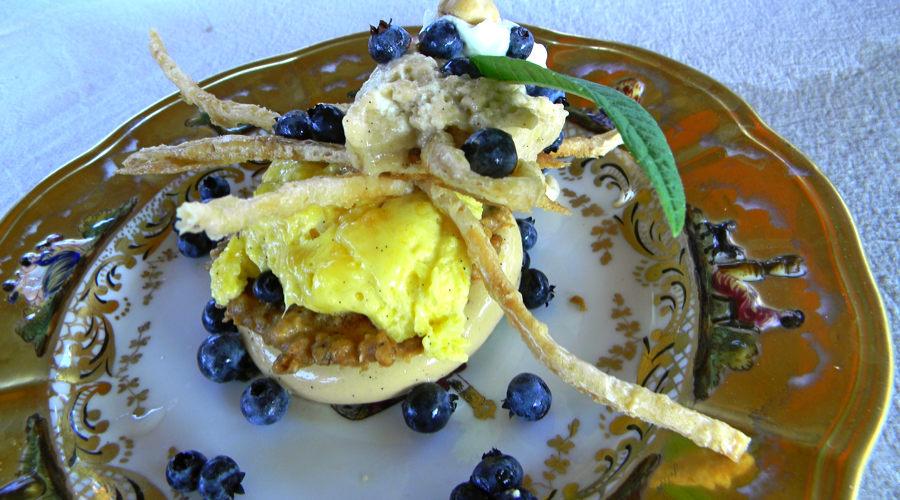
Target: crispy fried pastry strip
x=593 y=147
x=547 y=161
x=224 y=216
x=448 y=164
x=228 y=149
x=625 y=397
x=227 y=114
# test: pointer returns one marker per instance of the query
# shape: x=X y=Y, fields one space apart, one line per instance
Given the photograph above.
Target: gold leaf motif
x=592 y=211
x=667 y=266
x=153 y=232
x=105 y=482
x=610 y=364
x=556 y=463
x=482 y=407
x=152 y=276
x=629 y=329
x=81 y=426
x=126 y=382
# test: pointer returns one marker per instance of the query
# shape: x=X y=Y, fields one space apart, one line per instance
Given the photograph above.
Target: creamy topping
x=487 y=38
x=407 y=101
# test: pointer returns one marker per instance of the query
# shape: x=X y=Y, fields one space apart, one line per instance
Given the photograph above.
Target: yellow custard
x=398 y=261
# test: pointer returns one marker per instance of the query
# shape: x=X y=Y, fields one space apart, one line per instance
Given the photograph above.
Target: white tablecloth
x=824 y=75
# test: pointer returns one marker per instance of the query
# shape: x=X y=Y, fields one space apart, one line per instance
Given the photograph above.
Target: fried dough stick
x=227 y=149
x=625 y=397
x=223 y=216
x=523 y=191
x=226 y=114
x=592 y=147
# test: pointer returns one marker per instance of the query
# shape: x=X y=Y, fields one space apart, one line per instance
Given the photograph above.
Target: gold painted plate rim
x=874 y=325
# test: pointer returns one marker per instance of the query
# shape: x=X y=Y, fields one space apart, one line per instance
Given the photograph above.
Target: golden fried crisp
x=626 y=397
x=227 y=149
x=223 y=216
x=521 y=191
x=227 y=114
x=593 y=147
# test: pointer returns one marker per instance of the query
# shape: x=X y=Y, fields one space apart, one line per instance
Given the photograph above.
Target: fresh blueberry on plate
x=521 y=42
x=440 y=40
x=427 y=407
x=528 y=397
x=213 y=186
x=183 y=471
x=293 y=124
x=535 y=288
x=264 y=402
x=267 y=288
x=491 y=152
x=213 y=319
x=195 y=245
x=527 y=232
x=460 y=66
x=552 y=94
x=223 y=358
x=497 y=472
x=326 y=124
x=468 y=491
x=220 y=479
x=387 y=42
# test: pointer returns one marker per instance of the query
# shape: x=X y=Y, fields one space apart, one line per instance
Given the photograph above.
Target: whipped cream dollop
x=487 y=38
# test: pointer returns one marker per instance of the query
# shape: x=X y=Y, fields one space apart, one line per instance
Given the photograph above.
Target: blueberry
x=468 y=491
x=557 y=143
x=264 y=402
x=515 y=494
x=183 y=471
x=526 y=260
x=267 y=288
x=220 y=479
x=552 y=94
x=213 y=319
x=325 y=124
x=528 y=232
x=387 y=42
x=497 y=472
x=213 y=186
x=427 y=408
x=491 y=152
x=195 y=245
x=440 y=40
x=528 y=397
x=521 y=42
x=535 y=288
x=222 y=358
x=293 y=124
x=602 y=118
x=460 y=66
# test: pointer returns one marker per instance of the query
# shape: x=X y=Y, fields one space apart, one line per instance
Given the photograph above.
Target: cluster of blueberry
x=223 y=358
x=534 y=286
x=196 y=245
x=427 y=407
x=496 y=477
x=490 y=151
x=323 y=123
x=218 y=478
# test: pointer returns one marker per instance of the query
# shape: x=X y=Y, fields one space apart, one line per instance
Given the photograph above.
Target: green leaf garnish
x=640 y=132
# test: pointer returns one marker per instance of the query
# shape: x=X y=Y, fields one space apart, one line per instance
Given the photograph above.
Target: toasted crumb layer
x=306 y=338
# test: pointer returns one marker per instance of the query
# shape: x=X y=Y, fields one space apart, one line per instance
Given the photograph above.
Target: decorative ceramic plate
x=762 y=314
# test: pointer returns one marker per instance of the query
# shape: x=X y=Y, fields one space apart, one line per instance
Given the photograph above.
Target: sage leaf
x=640 y=132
